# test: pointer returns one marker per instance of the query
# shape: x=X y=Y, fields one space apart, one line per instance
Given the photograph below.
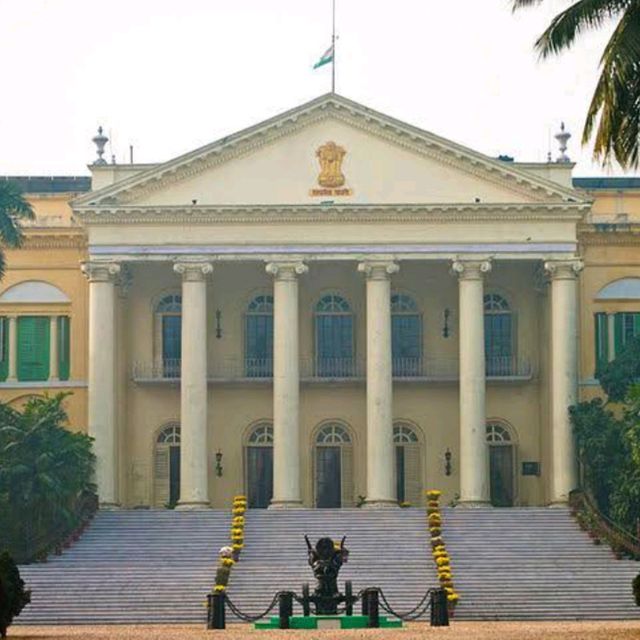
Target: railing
x=601 y=526
x=343 y=368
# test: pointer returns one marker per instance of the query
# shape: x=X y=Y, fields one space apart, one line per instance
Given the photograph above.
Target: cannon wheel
x=306 y=604
x=348 y=593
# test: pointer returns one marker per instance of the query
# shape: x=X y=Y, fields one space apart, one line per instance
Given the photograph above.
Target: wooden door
x=501 y=475
x=174 y=474
x=328 y=478
x=259 y=476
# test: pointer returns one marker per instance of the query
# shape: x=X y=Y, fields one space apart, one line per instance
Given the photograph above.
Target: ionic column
x=286 y=384
x=380 y=451
x=12 y=373
x=102 y=383
x=53 y=349
x=564 y=375
x=194 y=451
x=474 y=462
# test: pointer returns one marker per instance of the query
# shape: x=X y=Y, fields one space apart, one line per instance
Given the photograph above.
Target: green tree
x=44 y=471
x=614 y=112
x=13 y=209
x=13 y=596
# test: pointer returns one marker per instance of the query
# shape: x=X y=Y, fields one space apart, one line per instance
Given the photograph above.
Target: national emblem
x=330 y=156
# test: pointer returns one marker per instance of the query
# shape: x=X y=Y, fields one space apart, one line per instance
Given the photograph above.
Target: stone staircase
x=534 y=564
x=130 y=567
x=388 y=548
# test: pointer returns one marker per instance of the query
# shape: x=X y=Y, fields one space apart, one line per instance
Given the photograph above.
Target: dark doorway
x=260 y=476
x=400 y=474
x=501 y=475
x=174 y=475
x=171 y=346
x=328 y=478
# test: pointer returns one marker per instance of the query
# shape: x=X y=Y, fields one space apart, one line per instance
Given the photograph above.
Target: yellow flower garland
x=236 y=535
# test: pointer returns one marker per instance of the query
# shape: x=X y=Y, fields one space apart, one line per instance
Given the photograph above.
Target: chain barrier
x=419 y=610
x=414 y=614
x=245 y=617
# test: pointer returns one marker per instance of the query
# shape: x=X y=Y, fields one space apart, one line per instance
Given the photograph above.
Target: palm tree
x=13 y=208
x=614 y=113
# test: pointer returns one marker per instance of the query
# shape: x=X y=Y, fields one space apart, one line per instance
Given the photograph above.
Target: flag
x=326 y=58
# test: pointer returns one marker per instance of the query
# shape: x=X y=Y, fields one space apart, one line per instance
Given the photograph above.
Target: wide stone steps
x=534 y=563
x=130 y=567
x=387 y=549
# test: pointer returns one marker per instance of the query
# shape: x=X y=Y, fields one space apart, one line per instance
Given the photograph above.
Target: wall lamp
x=445 y=327
x=447 y=462
x=219 y=463
x=218 y=323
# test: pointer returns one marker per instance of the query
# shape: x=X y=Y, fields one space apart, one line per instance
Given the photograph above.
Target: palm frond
x=582 y=16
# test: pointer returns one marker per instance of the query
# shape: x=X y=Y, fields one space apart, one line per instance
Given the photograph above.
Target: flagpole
x=333 y=43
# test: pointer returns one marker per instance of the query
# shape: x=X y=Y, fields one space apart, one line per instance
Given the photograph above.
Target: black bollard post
x=439 y=608
x=365 y=602
x=216 y=610
x=373 y=609
x=285 y=602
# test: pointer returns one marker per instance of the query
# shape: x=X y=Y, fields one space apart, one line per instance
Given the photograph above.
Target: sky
x=168 y=76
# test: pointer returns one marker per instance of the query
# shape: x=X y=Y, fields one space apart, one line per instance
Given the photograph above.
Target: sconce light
x=447 y=462
x=218 y=326
x=445 y=326
x=219 y=463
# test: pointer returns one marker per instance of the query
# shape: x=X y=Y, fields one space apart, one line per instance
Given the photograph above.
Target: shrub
x=13 y=596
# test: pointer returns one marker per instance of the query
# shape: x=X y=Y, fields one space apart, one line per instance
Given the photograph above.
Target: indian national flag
x=326 y=58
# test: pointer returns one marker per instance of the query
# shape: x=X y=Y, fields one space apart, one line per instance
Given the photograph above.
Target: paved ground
x=458 y=631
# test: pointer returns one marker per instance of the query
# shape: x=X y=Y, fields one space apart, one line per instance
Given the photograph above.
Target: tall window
x=613 y=332
x=64 y=347
x=4 y=347
x=406 y=336
x=333 y=467
x=33 y=348
x=258 y=354
x=498 y=336
x=334 y=337
x=169 y=317
x=259 y=466
x=408 y=474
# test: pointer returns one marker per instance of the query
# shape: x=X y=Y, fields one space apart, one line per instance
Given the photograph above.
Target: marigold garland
x=438 y=549
x=230 y=554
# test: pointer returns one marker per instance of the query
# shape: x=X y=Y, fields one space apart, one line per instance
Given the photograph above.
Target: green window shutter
x=63 y=347
x=602 y=339
x=33 y=348
x=618 y=335
x=4 y=348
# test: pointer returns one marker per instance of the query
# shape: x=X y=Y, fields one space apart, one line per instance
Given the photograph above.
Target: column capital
x=378 y=269
x=470 y=269
x=100 y=271
x=193 y=271
x=286 y=270
x=563 y=269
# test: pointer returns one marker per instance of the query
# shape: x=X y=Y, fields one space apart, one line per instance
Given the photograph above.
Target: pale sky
x=171 y=75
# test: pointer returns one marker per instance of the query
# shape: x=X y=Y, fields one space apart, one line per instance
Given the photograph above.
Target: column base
x=473 y=504
x=285 y=504
x=109 y=506
x=380 y=504
x=192 y=506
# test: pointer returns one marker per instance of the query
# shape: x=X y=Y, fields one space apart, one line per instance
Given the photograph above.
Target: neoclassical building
x=329 y=308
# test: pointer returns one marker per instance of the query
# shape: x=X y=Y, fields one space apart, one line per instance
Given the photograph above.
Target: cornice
x=629 y=235
x=72 y=240
x=402 y=134
x=243 y=214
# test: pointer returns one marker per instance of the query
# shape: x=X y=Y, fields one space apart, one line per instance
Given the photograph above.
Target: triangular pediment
x=286 y=160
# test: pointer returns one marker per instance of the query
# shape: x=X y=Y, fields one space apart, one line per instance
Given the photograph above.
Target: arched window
x=334 y=337
x=259 y=465
x=498 y=336
x=166 y=468
x=408 y=463
x=258 y=354
x=406 y=336
x=333 y=466
x=168 y=314
x=502 y=463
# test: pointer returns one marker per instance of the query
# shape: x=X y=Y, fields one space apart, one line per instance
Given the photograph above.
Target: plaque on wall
x=530 y=468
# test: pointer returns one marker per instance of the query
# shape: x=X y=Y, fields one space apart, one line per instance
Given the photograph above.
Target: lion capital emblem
x=330 y=157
